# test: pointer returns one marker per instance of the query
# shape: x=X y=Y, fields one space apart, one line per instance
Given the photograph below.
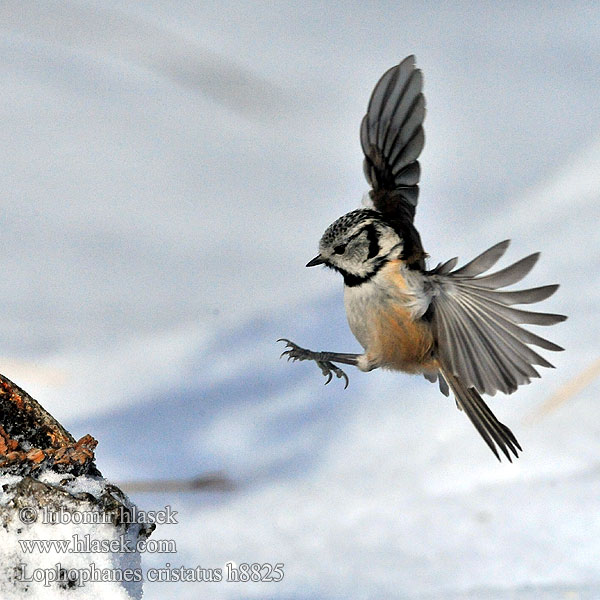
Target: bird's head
x=357 y=245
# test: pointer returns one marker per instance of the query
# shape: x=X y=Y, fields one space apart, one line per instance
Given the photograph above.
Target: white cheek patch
x=388 y=241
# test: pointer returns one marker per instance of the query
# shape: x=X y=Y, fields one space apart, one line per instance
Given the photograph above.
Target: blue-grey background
x=167 y=170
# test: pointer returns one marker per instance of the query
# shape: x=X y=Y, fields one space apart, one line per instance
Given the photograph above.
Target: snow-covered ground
x=168 y=169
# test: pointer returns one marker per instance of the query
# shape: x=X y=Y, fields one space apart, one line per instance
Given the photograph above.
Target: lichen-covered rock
x=31 y=439
x=65 y=532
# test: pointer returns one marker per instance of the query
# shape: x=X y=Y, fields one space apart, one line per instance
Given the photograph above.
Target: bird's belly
x=401 y=342
x=389 y=329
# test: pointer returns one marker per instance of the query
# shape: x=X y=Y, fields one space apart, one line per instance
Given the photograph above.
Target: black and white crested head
x=357 y=245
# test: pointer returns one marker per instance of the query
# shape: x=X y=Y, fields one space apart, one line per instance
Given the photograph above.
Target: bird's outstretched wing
x=478 y=333
x=391 y=135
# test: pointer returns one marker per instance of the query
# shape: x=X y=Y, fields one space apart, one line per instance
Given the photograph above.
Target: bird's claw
x=328 y=368
x=295 y=352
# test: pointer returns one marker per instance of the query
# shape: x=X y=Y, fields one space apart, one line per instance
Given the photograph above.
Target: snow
x=66 y=538
x=156 y=224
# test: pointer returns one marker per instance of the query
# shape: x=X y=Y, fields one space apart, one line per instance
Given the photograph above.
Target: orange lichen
x=7 y=444
x=30 y=438
x=36 y=455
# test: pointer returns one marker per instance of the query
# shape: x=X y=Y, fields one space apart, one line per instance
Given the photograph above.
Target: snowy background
x=167 y=170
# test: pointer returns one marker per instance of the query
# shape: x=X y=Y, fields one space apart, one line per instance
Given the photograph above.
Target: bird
x=456 y=326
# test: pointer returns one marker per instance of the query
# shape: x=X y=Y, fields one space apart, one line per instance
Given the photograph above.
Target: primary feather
x=391 y=133
x=479 y=340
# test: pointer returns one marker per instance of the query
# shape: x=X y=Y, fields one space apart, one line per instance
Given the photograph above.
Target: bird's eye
x=339 y=249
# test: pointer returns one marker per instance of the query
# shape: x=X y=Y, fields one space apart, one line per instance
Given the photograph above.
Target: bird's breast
x=384 y=315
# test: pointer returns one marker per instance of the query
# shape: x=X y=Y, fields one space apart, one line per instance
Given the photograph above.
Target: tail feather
x=495 y=434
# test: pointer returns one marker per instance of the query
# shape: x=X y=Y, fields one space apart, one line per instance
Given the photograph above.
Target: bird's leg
x=324 y=360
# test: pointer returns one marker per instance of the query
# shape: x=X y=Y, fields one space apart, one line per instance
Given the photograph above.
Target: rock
x=65 y=532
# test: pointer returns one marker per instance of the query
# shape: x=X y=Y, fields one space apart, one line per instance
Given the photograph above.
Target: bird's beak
x=317 y=260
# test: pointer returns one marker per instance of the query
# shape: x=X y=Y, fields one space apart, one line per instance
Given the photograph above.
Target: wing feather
x=495 y=330
x=461 y=356
x=444 y=268
x=487 y=368
x=509 y=275
x=392 y=138
x=405 y=117
x=486 y=260
x=517 y=297
x=489 y=304
x=480 y=340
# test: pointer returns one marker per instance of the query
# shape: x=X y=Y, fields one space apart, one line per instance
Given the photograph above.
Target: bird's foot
x=294 y=352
